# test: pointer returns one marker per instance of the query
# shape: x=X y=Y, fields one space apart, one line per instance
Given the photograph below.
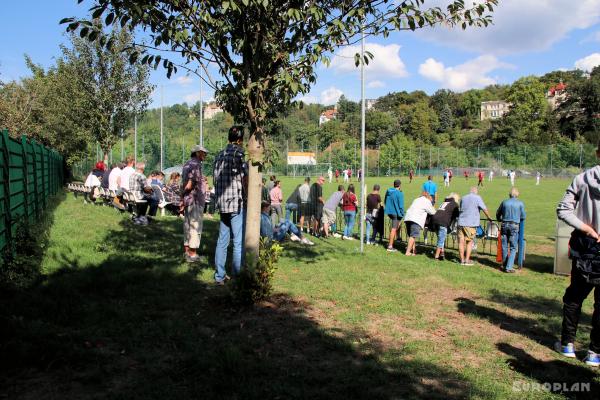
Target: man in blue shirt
x=511 y=212
x=431 y=188
x=394 y=208
x=279 y=232
x=468 y=220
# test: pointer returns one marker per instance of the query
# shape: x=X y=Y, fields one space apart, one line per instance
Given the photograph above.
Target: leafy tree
x=446 y=119
x=346 y=107
x=580 y=114
x=266 y=51
x=113 y=89
x=379 y=126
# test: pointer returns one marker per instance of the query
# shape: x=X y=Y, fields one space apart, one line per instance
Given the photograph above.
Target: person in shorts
x=468 y=221
x=329 y=212
x=445 y=215
x=394 y=208
x=316 y=203
x=415 y=220
x=304 y=208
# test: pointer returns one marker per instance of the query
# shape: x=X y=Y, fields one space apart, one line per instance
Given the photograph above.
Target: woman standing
x=276 y=199
x=349 y=206
x=373 y=204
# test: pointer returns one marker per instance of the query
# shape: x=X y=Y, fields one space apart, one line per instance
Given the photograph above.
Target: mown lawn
x=120 y=315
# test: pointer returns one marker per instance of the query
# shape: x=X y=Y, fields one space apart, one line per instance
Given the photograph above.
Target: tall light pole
x=161 y=125
x=201 y=113
x=134 y=138
x=122 y=148
x=362 y=142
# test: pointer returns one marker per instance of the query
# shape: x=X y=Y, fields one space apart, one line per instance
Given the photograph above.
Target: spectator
x=271 y=183
x=415 y=220
x=114 y=178
x=430 y=187
x=126 y=173
x=468 y=221
x=373 y=204
x=229 y=175
x=329 y=212
x=349 y=206
x=511 y=212
x=276 y=198
x=579 y=208
x=316 y=203
x=105 y=175
x=444 y=217
x=292 y=204
x=194 y=187
x=394 y=208
x=173 y=193
x=264 y=192
x=138 y=185
x=94 y=180
x=305 y=209
x=280 y=231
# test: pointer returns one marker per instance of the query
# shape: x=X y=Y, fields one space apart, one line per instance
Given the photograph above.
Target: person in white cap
x=194 y=188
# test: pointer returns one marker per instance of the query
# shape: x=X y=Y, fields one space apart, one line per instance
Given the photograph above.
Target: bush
x=255 y=280
x=21 y=260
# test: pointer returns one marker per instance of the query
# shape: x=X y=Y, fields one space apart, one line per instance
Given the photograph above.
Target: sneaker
x=469 y=263
x=510 y=271
x=347 y=238
x=222 y=282
x=306 y=242
x=391 y=250
x=336 y=235
x=192 y=259
x=566 y=351
x=294 y=238
x=592 y=359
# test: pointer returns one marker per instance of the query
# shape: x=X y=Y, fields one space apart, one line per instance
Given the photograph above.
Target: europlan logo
x=553 y=387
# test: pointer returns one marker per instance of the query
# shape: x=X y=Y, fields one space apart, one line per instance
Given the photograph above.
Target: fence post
x=35 y=180
x=25 y=178
x=6 y=179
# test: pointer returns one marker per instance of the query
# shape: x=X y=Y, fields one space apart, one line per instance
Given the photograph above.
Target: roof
x=329 y=113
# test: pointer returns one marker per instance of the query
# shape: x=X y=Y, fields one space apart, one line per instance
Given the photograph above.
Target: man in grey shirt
x=329 y=209
x=304 y=194
x=468 y=221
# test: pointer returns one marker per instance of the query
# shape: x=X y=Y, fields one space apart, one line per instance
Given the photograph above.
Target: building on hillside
x=556 y=95
x=494 y=109
x=369 y=103
x=211 y=110
x=327 y=116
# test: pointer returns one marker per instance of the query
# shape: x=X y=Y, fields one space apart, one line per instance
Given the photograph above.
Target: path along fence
x=30 y=173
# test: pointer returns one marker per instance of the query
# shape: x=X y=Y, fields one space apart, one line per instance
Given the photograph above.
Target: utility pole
x=201 y=112
x=362 y=142
x=161 y=125
x=134 y=138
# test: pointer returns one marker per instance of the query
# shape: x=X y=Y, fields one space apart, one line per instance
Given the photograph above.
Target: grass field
x=120 y=315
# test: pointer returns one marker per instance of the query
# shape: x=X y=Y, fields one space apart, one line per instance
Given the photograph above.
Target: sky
x=529 y=37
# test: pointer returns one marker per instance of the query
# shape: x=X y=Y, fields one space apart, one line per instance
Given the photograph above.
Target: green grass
x=119 y=315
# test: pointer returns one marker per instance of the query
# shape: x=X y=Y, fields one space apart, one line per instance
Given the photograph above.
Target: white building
x=494 y=109
x=211 y=110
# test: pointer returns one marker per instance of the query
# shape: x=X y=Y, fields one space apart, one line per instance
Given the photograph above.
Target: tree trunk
x=255 y=162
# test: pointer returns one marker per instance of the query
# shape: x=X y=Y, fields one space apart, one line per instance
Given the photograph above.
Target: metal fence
x=30 y=173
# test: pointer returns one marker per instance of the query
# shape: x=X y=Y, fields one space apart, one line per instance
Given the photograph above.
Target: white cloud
x=307 y=99
x=330 y=95
x=471 y=74
x=519 y=26
x=376 y=84
x=192 y=97
x=386 y=60
x=184 y=80
x=588 y=63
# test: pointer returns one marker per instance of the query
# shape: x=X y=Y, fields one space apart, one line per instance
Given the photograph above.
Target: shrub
x=21 y=259
x=255 y=280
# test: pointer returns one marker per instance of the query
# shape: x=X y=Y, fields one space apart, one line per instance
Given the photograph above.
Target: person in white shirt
x=491 y=177
x=330 y=174
x=345 y=173
x=537 y=178
x=114 y=178
x=415 y=220
x=513 y=174
x=126 y=173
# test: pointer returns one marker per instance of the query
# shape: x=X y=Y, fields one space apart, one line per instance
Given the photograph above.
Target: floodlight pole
x=134 y=138
x=362 y=142
x=201 y=114
x=161 y=125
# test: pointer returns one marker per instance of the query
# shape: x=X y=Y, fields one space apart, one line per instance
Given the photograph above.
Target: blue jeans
x=369 y=221
x=349 y=217
x=232 y=224
x=289 y=208
x=510 y=236
x=283 y=228
x=442 y=232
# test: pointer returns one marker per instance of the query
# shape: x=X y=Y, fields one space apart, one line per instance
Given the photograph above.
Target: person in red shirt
x=349 y=206
x=480 y=178
x=337 y=175
x=411 y=174
x=349 y=174
x=466 y=173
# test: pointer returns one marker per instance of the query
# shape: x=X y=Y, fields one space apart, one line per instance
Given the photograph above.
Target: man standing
x=411 y=174
x=305 y=211
x=513 y=174
x=337 y=175
x=511 y=212
x=480 y=178
x=431 y=188
x=345 y=173
x=491 y=178
x=194 y=196
x=329 y=212
x=316 y=203
x=580 y=208
x=538 y=176
x=230 y=173
x=330 y=174
x=468 y=221
x=446 y=179
x=394 y=208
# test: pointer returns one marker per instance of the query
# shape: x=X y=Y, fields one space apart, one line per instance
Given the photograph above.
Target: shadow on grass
x=134 y=326
x=572 y=381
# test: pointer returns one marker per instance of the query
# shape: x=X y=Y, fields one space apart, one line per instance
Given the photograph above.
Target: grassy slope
x=120 y=316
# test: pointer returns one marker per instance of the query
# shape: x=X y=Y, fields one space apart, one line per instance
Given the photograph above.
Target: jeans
x=442 y=232
x=349 y=217
x=283 y=228
x=290 y=208
x=276 y=213
x=510 y=236
x=574 y=296
x=369 y=223
x=232 y=224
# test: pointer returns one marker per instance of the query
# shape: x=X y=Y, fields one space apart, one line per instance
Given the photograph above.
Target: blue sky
x=528 y=37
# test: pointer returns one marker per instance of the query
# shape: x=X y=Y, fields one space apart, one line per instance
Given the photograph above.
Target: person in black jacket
x=292 y=203
x=442 y=219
